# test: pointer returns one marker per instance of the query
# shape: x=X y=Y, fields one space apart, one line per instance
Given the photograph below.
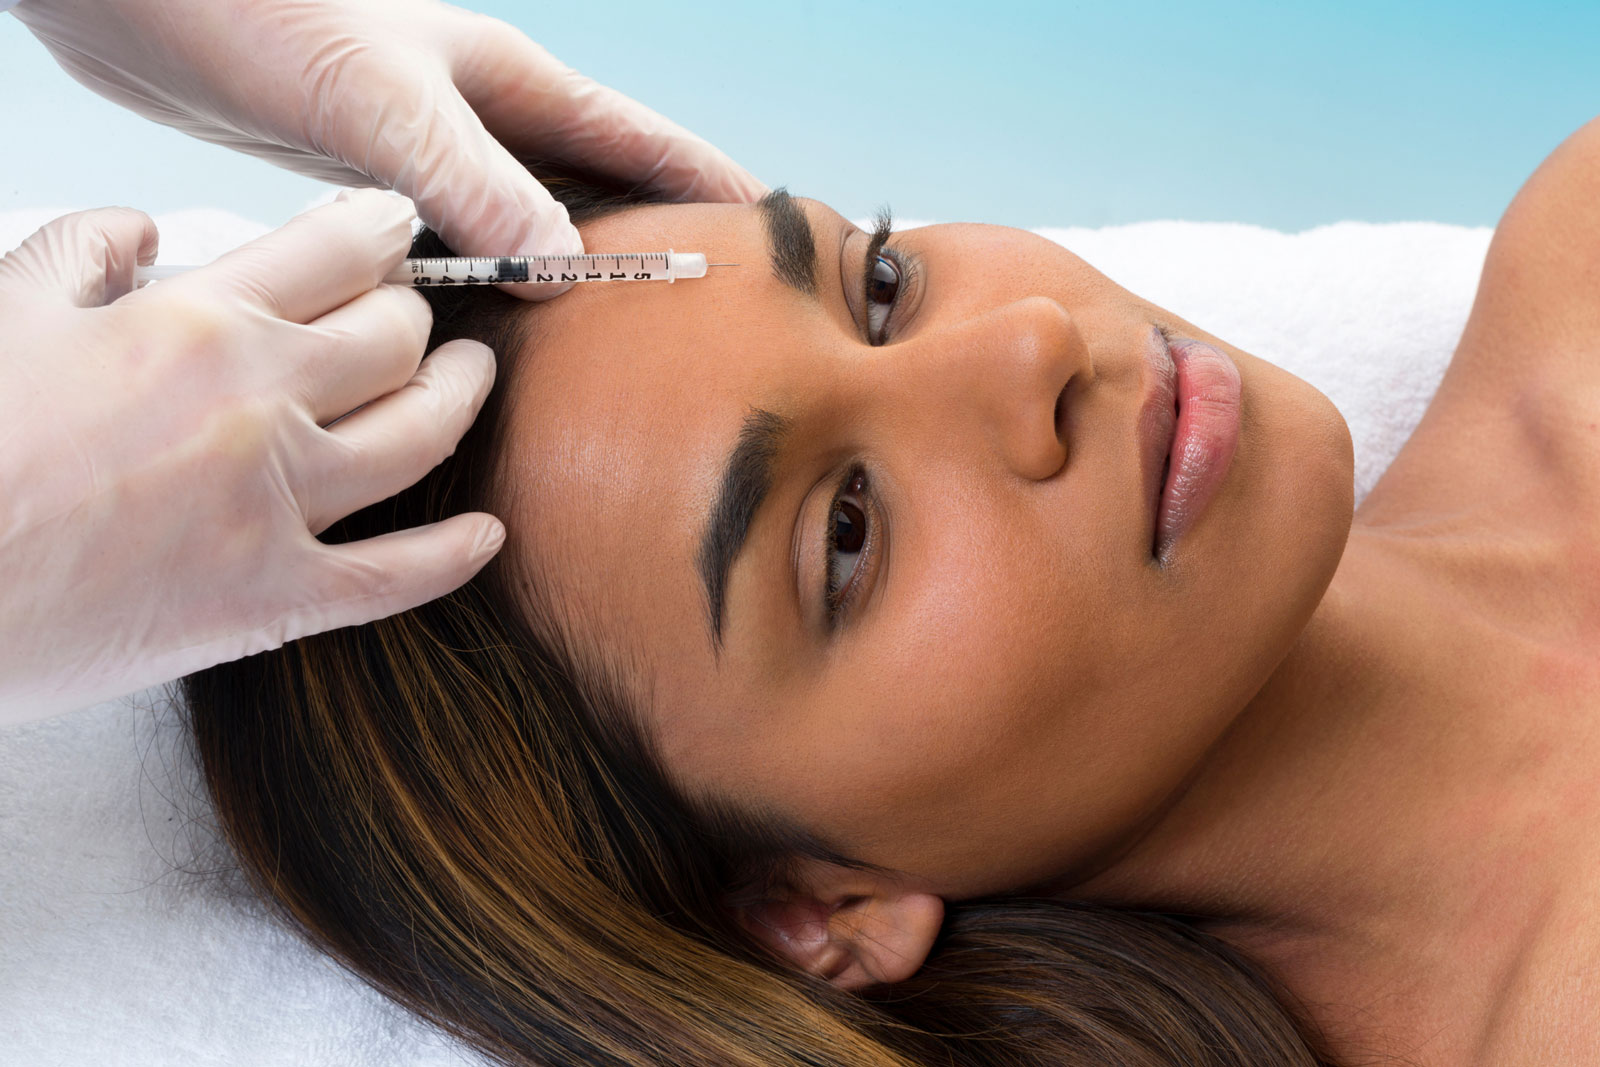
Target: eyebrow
x=746 y=480
x=790 y=244
x=747 y=474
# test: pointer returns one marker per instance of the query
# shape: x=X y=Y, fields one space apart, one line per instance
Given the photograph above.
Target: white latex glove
x=411 y=94
x=163 y=459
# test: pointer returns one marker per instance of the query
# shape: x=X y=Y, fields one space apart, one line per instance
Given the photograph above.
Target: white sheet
x=123 y=940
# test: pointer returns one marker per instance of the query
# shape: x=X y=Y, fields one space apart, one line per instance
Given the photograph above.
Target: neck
x=1359 y=825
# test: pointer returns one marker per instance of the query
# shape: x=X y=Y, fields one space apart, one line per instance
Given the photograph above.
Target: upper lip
x=1157 y=422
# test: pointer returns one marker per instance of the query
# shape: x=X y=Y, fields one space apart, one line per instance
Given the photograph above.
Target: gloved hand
x=164 y=461
x=411 y=94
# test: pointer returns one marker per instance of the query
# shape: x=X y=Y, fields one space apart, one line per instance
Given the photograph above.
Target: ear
x=859 y=932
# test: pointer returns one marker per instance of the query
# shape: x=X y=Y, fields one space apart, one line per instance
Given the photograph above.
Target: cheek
x=984 y=720
x=1007 y=711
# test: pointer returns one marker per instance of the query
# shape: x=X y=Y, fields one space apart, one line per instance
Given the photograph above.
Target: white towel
x=123 y=940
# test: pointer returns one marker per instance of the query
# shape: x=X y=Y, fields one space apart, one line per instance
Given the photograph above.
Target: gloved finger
x=386 y=575
x=85 y=259
x=318 y=260
x=541 y=108
x=391 y=443
x=466 y=186
x=363 y=350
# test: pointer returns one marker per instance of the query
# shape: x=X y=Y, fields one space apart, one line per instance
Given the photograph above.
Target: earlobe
x=888 y=936
x=873 y=938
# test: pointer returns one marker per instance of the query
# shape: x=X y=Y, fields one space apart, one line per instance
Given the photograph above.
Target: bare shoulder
x=1540 y=290
x=1518 y=411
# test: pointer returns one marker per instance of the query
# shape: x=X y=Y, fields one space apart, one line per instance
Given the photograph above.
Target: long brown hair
x=473 y=821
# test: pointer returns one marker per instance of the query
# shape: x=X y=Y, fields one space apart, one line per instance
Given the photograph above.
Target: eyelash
x=837 y=599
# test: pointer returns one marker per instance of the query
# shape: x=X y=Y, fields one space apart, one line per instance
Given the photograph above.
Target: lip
x=1158 y=420
x=1188 y=426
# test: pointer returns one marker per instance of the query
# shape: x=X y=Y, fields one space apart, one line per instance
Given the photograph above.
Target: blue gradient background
x=1284 y=115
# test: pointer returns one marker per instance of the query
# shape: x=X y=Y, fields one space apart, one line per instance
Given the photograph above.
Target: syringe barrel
x=591 y=267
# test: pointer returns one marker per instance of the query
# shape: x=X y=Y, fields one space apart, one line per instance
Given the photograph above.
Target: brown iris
x=849 y=527
x=849 y=521
x=885 y=283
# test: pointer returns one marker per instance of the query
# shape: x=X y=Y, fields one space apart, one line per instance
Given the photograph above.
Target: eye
x=883 y=289
x=848 y=541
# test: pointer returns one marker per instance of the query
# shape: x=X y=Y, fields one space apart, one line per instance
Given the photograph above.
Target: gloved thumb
x=475 y=195
x=85 y=259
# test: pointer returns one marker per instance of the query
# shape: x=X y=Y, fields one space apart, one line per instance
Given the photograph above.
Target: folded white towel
x=123 y=938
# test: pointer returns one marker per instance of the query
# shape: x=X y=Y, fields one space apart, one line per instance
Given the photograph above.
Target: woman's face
x=882 y=561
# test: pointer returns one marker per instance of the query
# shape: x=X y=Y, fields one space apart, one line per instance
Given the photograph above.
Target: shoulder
x=1519 y=406
x=1541 y=281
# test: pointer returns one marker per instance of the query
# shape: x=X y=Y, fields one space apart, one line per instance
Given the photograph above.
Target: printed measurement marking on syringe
x=593 y=267
x=469 y=270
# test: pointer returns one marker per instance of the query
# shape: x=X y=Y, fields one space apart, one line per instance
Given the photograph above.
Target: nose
x=1006 y=374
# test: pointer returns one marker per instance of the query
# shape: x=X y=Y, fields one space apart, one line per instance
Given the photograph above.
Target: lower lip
x=1202 y=443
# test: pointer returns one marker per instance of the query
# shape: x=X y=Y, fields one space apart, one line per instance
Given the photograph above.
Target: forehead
x=621 y=409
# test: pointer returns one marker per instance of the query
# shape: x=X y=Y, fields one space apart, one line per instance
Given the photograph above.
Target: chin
x=1303 y=507
x=1269 y=546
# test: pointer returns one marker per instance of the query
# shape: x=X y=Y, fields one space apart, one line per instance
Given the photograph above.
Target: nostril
x=1061 y=413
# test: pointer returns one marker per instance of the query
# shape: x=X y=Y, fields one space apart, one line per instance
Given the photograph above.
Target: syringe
x=666 y=266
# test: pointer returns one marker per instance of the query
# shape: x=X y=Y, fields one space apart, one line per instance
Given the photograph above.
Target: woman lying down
x=893 y=663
